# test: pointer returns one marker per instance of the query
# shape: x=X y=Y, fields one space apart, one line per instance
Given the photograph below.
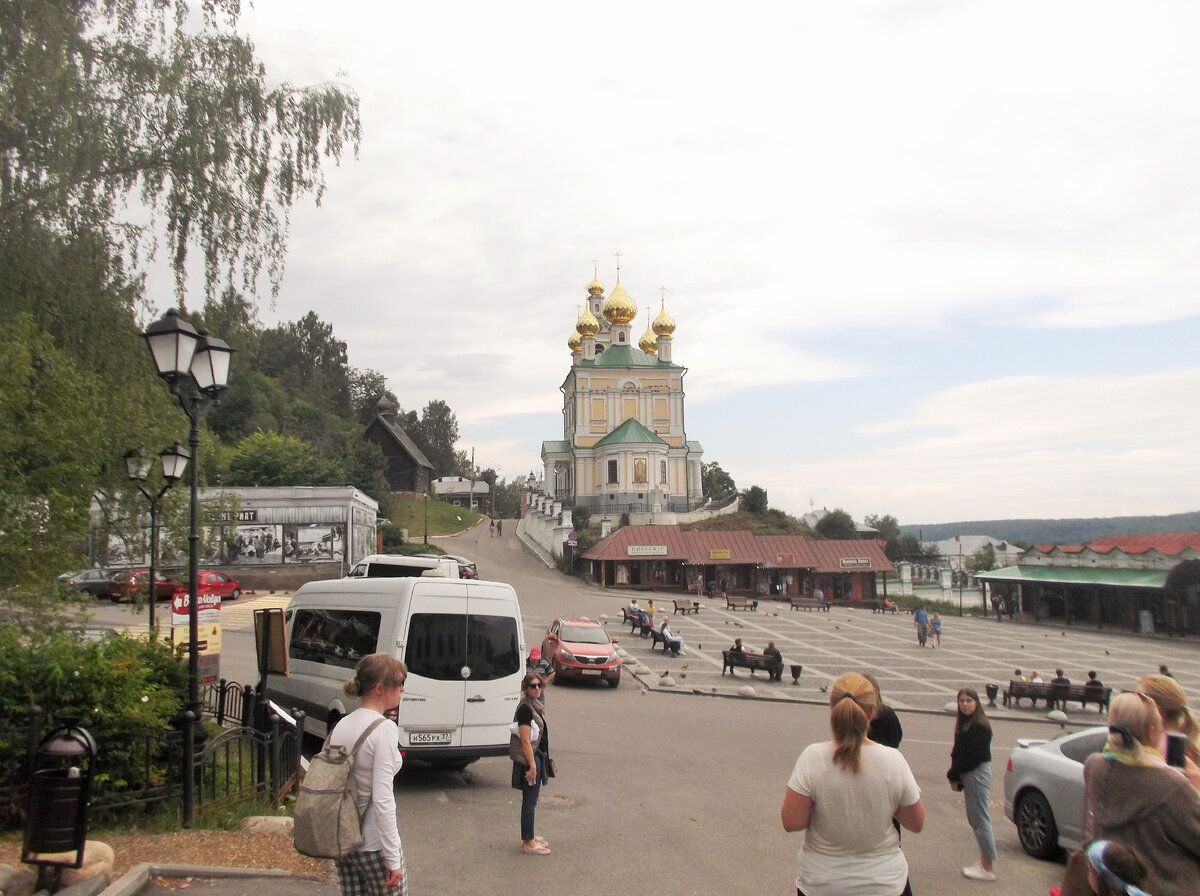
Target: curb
x=133 y=880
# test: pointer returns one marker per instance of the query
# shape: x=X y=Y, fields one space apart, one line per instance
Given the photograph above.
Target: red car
x=581 y=648
x=128 y=582
x=211 y=581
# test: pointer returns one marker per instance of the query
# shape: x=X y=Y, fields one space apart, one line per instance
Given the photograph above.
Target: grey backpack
x=327 y=825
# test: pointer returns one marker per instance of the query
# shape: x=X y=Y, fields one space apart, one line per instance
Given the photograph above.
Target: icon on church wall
x=639 y=470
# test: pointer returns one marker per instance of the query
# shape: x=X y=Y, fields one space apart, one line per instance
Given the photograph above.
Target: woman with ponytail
x=1177 y=718
x=843 y=794
x=1136 y=799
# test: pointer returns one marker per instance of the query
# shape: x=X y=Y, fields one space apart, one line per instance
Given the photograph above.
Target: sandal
x=537 y=849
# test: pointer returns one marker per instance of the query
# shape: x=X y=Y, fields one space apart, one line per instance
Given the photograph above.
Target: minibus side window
x=335 y=637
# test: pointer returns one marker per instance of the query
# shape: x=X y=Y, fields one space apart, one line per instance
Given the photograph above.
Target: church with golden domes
x=624 y=447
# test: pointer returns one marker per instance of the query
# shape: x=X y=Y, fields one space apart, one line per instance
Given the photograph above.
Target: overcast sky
x=932 y=259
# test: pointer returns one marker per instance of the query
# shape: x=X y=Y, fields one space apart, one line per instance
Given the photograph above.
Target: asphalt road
x=676 y=789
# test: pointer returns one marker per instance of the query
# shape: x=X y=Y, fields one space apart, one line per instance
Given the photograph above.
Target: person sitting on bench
x=674 y=642
x=776 y=670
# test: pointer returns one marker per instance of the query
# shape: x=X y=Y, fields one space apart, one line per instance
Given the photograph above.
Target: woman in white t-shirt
x=843 y=794
x=377 y=869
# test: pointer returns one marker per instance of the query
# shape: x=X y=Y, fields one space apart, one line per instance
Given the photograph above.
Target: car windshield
x=584 y=634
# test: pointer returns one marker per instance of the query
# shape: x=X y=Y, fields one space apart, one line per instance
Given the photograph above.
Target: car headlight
x=568 y=656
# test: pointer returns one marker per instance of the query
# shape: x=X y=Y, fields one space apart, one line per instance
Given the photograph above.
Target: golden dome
x=619 y=308
x=575 y=342
x=587 y=325
x=649 y=342
x=664 y=324
x=595 y=288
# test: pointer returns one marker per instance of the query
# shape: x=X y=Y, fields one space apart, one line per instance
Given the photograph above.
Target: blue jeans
x=529 y=797
x=977 y=783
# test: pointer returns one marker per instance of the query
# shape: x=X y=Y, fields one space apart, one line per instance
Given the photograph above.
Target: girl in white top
x=843 y=794
x=378 y=868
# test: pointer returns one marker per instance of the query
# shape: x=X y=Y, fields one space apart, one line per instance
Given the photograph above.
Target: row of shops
x=667 y=558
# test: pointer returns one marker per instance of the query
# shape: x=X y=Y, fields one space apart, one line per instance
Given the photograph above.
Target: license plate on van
x=429 y=737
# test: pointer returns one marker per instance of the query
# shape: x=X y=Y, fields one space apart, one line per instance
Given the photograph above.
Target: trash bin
x=1146 y=621
x=992 y=691
x=56 y=823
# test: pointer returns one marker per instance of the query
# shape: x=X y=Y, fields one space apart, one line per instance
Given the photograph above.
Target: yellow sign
x=719 y=554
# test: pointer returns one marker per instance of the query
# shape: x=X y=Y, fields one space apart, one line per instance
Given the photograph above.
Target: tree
x=754 y=500
x=107 y=101
x=267 y=458
x=367 y=387
x=715 y=482
x=983 y=560
x=898 y=544
x=837 y=524
x=436 y=435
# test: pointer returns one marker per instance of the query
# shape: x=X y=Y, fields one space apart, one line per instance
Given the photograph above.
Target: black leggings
x=907 y=891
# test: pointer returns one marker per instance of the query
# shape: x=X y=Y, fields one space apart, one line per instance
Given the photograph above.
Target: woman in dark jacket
x=530 y=775
x=971 y=772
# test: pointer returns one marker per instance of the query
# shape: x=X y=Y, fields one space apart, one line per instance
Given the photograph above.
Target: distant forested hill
x=1071 y=531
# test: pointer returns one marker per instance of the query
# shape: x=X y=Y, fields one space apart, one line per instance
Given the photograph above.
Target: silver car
x=1043 y=790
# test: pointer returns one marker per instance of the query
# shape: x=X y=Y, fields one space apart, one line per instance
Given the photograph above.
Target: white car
x=1043 y=790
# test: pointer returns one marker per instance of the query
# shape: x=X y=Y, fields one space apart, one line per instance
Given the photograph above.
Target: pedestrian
x=1132 y=796
x=996 y=607
x=532 y=773
x=499 y=528
x=539 y=664
x=492 y=528
x=377 y=868
x=971 y=773
x=921 y=621
x=935 y=629
x=844 y=793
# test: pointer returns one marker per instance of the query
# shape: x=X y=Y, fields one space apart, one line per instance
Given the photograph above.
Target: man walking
x=921 y=621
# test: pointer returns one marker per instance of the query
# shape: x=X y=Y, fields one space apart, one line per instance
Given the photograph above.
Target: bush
x=581 y=517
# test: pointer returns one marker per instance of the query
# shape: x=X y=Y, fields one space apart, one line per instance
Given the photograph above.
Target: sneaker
x=978 y=872
x=537 y=849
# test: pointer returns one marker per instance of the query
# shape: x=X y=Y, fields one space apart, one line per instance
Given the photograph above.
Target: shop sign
x=646 y=550
x=785 y=559
x=719 y=554
x=855 y=562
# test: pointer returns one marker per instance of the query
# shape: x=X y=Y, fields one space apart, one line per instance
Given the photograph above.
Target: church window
x=612 y=472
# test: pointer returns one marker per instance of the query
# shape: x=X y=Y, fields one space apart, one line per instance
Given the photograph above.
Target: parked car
x=211 y=581
x=466 y=568
x=128 y=582
x=90 y=581
x=1043 y=790
x=581 y=648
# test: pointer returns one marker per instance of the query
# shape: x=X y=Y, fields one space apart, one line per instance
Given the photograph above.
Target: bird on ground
x=665 y=674
x=822 y=688
x=700 y=646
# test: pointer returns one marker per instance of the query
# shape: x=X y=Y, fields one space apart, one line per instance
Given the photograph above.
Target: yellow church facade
x=624 y=447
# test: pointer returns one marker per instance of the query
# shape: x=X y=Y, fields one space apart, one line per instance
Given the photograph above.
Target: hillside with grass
x=415 y=514
x=1064 y=531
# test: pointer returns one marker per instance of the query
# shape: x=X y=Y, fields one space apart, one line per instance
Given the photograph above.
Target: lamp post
x=426 y=513
x=195 y=367
x=137 y=467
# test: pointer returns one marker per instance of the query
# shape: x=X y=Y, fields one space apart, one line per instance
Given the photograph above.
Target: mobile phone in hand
x=1176 y=749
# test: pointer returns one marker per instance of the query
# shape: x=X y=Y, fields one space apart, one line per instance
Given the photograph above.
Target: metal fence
x=257 y=756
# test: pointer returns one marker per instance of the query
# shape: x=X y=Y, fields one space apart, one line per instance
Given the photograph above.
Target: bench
x=799 y=602
x=1056 y=694
x=740 y=603
x=656 y=638
x=635 y=622
x=880 y=607
x=752 y=661
x=687 y=606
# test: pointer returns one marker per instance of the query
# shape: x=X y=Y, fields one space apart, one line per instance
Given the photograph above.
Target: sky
x=929 y=259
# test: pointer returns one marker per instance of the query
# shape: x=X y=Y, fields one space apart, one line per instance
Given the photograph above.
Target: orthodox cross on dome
x=662 y=292
x=596 y=268
x=618 y=257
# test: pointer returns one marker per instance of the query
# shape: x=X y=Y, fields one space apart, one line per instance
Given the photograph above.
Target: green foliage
x=267 y=458
x=443 y=518
x=754 y=499
x=581 y=517
x=715 y=482
x=436 y=435
x=983 y=560
x=114 y=684
x=773 y=522
x=837 y=525
x=897 y=543
x=107 y=101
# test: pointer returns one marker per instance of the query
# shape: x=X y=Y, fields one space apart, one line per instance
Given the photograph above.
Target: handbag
x=550 y=771
x=515 y=753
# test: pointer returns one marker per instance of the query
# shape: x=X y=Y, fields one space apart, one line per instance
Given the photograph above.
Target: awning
x=1063 y=575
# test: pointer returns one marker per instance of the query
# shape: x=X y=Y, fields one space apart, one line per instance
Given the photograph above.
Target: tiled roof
x=1169 y=544
x=742 y=547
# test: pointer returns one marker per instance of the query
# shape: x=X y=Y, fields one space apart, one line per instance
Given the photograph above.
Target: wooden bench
x=800 y=602
x=656 y=638
x=752 y=661
x=880 y=607
x=740 y=603
x=686 y=606
x=1056 y=695
x=634 y=621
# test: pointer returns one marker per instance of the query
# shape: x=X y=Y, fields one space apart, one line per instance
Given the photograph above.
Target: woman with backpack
x=378 y=867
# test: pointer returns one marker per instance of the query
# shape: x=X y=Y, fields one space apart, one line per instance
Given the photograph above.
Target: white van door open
x=464 y=668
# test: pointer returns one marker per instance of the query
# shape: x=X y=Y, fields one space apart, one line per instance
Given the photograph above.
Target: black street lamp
x=137 y=467
x=195 y=367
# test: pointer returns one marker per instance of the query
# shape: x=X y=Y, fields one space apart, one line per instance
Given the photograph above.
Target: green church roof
x=630 y=433
x=625 y=356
